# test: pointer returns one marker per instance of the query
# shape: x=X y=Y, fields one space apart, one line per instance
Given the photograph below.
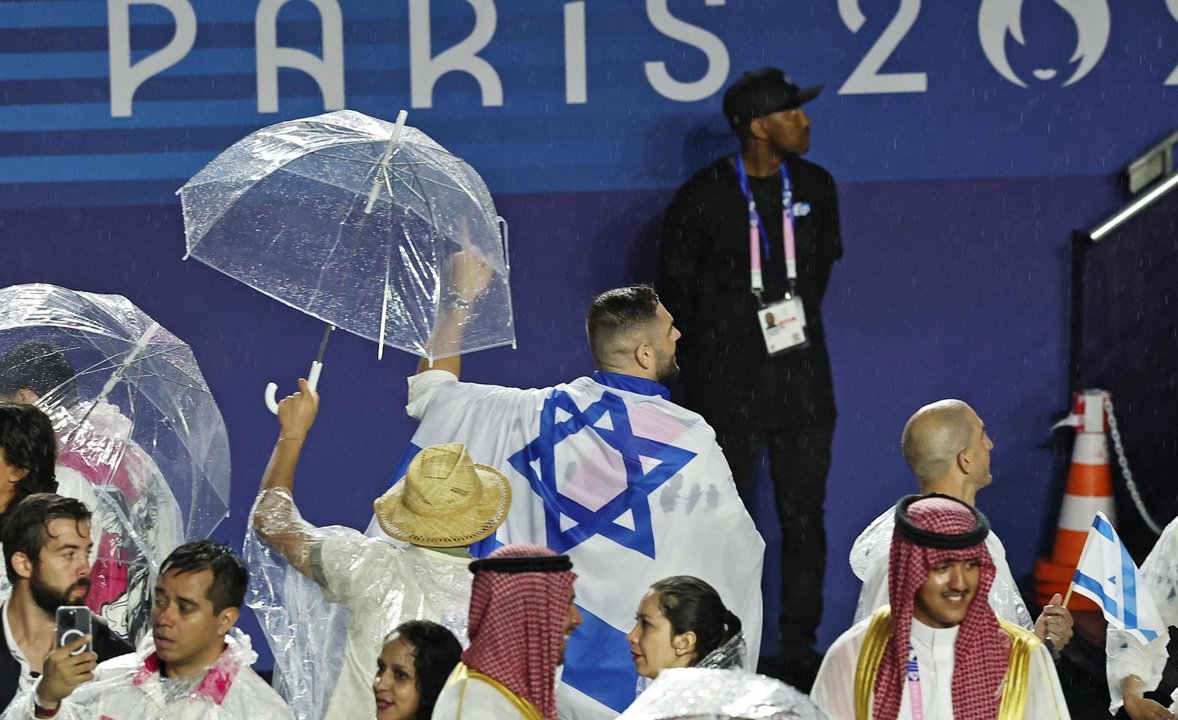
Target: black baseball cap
x=763 y=92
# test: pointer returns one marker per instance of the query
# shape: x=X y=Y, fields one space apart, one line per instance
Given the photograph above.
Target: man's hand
x=469 y=276
x=64 y=672
x=1055 y=624
x=296 y=413
x=1139 y=707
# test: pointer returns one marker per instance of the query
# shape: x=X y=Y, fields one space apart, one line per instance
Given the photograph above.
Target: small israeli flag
x=1107 y=574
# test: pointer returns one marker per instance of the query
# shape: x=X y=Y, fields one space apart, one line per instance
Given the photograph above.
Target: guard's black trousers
x=799 y=460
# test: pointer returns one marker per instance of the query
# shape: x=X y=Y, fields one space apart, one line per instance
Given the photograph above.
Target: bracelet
x=40 y=712
x=300 y=442
x=459 y=303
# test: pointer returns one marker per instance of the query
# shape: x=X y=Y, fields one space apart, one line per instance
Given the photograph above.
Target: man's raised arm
x=469 y=277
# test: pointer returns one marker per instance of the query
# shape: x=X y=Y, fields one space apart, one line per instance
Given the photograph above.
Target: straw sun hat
x=445 y=500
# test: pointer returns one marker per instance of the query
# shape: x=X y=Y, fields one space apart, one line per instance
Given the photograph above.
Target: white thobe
x=834 y=688
x=474 y=699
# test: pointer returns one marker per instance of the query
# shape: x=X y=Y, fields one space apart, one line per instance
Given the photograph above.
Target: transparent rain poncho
x=131 y=687
x=713 y=694
x=732 y=655
x=330 y=215
x=327 y=627
x=869 y=561
x=136 y=426
x=1127 y=653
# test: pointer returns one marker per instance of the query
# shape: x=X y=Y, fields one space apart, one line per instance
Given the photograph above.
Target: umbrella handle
x=312 y=382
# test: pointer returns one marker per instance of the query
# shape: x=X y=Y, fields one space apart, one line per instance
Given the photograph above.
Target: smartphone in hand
x=73 y=621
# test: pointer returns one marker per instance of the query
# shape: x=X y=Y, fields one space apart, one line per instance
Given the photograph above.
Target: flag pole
x=1080 y=563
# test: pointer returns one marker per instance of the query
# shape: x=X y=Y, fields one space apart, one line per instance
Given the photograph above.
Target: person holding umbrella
x=96 y=452
x=599 y=468
x=446 y=503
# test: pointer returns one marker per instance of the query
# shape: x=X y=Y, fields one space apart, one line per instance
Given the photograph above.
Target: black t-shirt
x=704 y=283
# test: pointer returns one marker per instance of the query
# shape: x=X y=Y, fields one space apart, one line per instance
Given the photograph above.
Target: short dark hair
x=230 y=574
x=40 y=367
x=690 y=604
x=438 y=651
x=26 y=437
x=617 y=311
x=26 y=525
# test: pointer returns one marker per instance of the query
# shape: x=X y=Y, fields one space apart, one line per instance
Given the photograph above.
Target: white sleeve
x=1005 y=598
x=422 y=387
x=1127 y=654
x=72 y=484
x=1045 y=700
x=869 y=562
x=834 y=687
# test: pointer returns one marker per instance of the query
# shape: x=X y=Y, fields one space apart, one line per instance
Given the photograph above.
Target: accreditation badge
x=783 y=325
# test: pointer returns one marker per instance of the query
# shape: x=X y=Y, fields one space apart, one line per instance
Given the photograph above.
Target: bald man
x=946 y=446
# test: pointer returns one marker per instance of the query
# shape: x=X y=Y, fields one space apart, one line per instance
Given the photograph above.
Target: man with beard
x=194 y=665
x=605 y=469
x=46 y=551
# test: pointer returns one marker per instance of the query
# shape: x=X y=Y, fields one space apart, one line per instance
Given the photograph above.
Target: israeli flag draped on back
x=631 y=486
x=1107 y=574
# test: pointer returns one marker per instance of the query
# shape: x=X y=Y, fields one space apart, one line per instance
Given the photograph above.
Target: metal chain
x=1123 y=462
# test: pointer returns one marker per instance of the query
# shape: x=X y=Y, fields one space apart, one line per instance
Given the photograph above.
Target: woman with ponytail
x=682 y=622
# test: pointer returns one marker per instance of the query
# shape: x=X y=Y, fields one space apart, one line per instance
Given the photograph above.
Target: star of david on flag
x=1108 y=576
x=540 y=454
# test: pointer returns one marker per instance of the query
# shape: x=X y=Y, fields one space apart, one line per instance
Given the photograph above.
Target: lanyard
x=759 y=240
x=914 y=685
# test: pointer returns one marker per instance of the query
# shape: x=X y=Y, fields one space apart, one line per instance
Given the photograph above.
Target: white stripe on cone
x=1077 y=512
x=1090 y=449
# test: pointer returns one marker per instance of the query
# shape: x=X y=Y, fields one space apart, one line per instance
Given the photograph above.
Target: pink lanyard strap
x=758 y=237
x=914 y=685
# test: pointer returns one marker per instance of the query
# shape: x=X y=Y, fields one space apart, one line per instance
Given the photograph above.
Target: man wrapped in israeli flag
x=604 y=469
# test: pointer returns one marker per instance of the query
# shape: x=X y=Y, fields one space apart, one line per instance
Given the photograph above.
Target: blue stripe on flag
x=1127 y=612
x=598 y=664
x=403 y=464
x=1093 y=586
x=1103 y=527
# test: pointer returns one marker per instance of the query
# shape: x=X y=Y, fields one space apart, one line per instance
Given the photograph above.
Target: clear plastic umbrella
x=136 y=424
x=712 y=694
x=352 y=220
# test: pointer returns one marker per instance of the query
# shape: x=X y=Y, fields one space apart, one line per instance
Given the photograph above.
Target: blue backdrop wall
x=969 y=139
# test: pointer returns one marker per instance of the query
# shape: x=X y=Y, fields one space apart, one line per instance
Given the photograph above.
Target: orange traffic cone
x=1089 y=489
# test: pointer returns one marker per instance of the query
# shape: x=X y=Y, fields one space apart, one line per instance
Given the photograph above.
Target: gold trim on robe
x=1015 y=685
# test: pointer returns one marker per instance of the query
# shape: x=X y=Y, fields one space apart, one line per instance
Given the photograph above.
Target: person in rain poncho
x=1134 y=667
x=718 y=694
x=194 y=664
x=938 y=651
x=946 y=445
x=521 y=615
x=45 y=541
x=95 y=452
x=445 y=503
x=682 y=622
